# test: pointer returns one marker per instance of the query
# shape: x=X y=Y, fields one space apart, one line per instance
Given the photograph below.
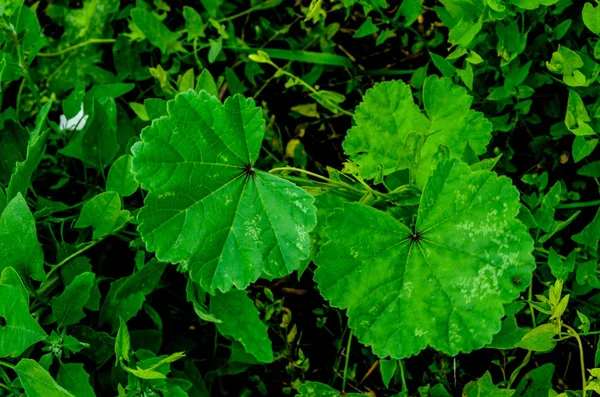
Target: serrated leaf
x=37 y=382
x=388 y=114
x=19 y=246
x=74 y=379
x=120 y=178
x=103 y=213
x=20 y=330
x=208 y=208
x=240 y=321
x=456 y=268
x=68 y=307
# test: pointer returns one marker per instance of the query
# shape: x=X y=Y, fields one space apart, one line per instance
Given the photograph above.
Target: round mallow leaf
x=442 y=284
x=207 y=207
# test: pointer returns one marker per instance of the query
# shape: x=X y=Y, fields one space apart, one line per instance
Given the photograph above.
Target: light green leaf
x=37 y=382
x=590 y=235
x=317 y=389
x=74 y=379
x=567 y=62
x=457 y=267
x=103 y=213
x=123 y=342
x=583 y=147
x=155 y=31
x=68 y=307
x=540 y=339
x=388 y=114
x=576 y=117
x=484 y=387
x=207 y=83
x=193 y=23
x=208 y=207
x=19 y=246
x=388 y=369
x=591 y=17
x=561 y=269
x=150 y=372
x=21 y=330
x=591 y=169
x=120 y=178
x=240 y=321
x=510 y=334
x=20 y=180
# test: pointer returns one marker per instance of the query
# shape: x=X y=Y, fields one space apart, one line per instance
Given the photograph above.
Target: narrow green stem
x=3 y=386
x=581 y=357
x=403 y=377
x=73 y=255
x=7 y=365
x=328 y=180
x=250 y=10
x=347 y=360
x=76 y=46
x=515 y=373
x=311 y=89
x=579 y=205
x=530 y=299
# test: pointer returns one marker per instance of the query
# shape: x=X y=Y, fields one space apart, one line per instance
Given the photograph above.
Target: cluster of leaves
x=416 y=193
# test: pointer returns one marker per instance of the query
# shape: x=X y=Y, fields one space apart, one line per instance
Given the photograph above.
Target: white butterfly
x=76 y=123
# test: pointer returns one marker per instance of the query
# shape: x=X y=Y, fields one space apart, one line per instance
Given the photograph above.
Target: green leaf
x=155 y=31
x=388 y=369
x=317 y=389
x=567 y=62
x=561 y=269
x=545 y=215
x=74 y=379
x=576 y=117
x=13 y=147
x=592 y=170
x=590 y=235
x=206 y=82
x=537 y=382
x=20 y=180
x=388 y=114
x=68 y=307
x=96 y=145
x=240 y=321
x=484 y=387
x=457 y=268
x=248 y=222
x=583 y=147
x=591 y=17
x=122 y=343
x=193 y=23
x=367 y=28
x=127 y=295
x=37 y=382
x=510 y=334
x=150 y=372
x=540 y=339
x=20 y=330
x=19 y=246
x=120 y=178
x=103 y=213
x=102 y=344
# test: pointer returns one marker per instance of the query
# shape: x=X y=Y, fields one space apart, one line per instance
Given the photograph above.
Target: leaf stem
x=7 y=365
x=76 y=46
x=581 y=357
x=515 y=373
x=331 y=181
x=579 y=204
x=250 y=10
x=530 y=299
x=348 y=347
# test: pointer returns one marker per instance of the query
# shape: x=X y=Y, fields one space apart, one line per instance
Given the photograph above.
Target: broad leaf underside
x=442 y=285
x=208 y=208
